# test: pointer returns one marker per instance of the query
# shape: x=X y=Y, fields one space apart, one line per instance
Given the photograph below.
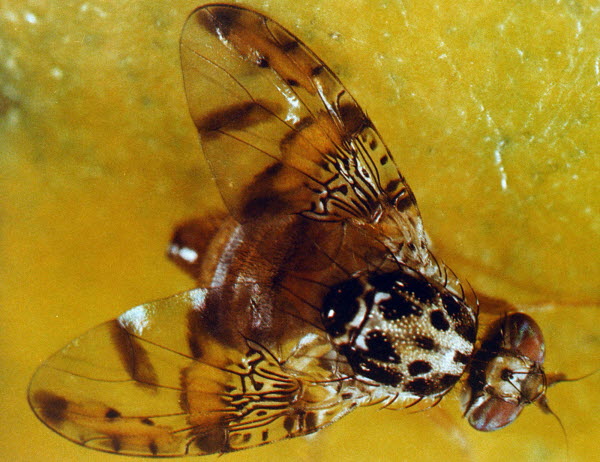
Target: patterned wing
x=280 y=132
x=156 y=382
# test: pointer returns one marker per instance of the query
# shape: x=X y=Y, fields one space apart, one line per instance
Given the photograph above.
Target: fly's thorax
x=401 y=330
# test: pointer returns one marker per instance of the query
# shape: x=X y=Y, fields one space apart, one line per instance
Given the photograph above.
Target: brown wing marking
x=139 y=385
x=112 y=394
x=281 y=133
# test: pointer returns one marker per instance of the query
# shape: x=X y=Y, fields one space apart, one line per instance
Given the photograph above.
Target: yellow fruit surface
x=490 y=107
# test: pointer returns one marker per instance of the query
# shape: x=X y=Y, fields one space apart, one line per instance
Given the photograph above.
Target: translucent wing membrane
x=155 y=381
x=281 y=133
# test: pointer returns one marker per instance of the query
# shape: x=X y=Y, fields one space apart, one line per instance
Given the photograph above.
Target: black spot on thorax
x=397 y=307
x=365 y=366
x=426 y=343
x=431 y=387
x=461 y=358
x=419 y=368
x=380 y=347
x=460 y=313
x=439 y=321
x=340 y=306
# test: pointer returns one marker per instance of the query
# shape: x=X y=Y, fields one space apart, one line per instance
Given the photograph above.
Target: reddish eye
x=493 y=414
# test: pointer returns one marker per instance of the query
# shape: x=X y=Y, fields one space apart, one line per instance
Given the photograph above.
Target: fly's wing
x=156 y=382
x=281 y=133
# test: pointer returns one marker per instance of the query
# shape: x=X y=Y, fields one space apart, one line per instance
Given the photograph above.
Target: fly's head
x=402 y=330
x=507 y=373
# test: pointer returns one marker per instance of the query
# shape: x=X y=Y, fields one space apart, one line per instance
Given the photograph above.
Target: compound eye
x=493 y=414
